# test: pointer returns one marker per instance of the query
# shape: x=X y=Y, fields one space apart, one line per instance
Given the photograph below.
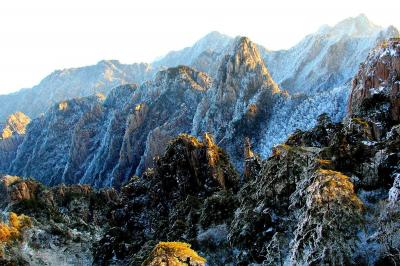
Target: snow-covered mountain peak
x=213 y=41
x=359 y=26
x=214 y=37
x=327 y=58
x=108 y=62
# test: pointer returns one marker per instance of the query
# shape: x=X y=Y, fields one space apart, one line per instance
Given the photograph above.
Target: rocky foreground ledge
x=330 y=190
x=65 y=221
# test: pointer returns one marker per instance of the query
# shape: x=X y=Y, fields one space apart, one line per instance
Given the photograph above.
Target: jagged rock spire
x=248 y=153
x=242 y=82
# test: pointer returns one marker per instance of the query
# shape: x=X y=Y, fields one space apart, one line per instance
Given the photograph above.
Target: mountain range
x=242 y=91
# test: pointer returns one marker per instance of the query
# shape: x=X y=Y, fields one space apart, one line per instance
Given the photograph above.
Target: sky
x=38 y=37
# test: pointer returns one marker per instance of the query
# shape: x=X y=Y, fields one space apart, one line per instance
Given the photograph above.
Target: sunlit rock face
x=174 y=254
x=11 y=136
x=14 y=125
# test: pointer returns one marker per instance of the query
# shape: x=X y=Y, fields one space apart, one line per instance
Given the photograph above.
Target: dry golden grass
x=280 y=148
x=12 y=231
x=360 y=122
x=174 y=254
x=335 y=185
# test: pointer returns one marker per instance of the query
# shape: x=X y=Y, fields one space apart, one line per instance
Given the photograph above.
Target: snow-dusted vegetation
x=301 y=112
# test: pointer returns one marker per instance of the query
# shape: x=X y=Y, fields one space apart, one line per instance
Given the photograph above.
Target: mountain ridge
x=327 y=58
x=204 y=55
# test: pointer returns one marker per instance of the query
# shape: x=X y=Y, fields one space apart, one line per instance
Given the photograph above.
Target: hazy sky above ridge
x=40 y=36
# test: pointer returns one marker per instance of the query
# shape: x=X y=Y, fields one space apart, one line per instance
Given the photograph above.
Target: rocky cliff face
x=43 y=153
x=166 y=108
x=97 y=138
x=378 y=81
